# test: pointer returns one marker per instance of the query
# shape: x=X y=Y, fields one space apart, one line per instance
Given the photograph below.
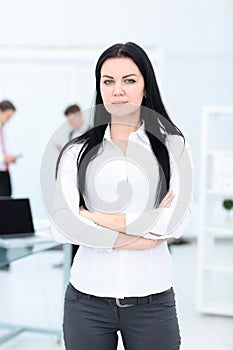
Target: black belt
x=129 y=301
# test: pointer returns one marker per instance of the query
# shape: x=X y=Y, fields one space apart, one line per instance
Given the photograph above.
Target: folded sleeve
x=169 y=222
x=68 y=225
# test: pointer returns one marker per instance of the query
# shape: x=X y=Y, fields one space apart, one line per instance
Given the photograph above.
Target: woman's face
x=121 y=85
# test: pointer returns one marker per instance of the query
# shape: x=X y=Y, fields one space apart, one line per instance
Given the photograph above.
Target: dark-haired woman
x=123 y=188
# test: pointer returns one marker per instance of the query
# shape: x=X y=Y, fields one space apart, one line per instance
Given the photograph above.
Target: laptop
x=15 y=218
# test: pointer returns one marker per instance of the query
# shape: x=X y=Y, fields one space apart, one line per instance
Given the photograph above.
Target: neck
x=123 y=129
x=122 y=126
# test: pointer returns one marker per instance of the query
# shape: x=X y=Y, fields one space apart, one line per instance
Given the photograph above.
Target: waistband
x=127 y=301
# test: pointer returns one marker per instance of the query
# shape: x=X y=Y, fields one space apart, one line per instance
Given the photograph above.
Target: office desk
x=14 y=249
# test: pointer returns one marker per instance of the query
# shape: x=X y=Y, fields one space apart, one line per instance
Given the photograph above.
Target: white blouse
x=122 y=183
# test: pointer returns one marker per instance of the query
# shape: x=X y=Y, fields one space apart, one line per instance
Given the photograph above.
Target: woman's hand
x=117 y=221
x=125 y=241
x=130 y=242
x=85 y=213
x=167 y=201
x=112 y=221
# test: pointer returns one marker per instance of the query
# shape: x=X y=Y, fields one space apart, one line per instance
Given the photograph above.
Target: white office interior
x=48 y=52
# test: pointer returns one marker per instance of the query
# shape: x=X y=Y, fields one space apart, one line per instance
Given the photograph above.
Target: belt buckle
x=120 y=305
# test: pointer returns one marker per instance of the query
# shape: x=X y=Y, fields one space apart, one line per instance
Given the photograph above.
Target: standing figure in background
x=7 y=109
x=78 y=126
x=76 y=121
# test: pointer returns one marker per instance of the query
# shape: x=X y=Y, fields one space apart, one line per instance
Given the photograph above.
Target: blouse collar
x=140 y=132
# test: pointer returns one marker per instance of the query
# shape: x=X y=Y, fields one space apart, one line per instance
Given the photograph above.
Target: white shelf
x=220 y=230
x=226 y=194
x=218 y=268
x=213 y=309
x=214 y=111
x=215 y=248
x=214 y=152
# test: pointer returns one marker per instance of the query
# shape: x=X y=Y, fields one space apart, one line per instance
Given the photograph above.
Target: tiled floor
x=31 y=294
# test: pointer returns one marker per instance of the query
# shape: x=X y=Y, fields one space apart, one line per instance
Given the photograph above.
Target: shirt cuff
x=155 y=220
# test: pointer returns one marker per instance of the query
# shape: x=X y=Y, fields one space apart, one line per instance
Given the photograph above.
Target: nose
x=118 y=90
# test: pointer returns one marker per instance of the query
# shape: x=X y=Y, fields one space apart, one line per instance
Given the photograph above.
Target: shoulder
x=179 y=148
x=177 y=141
x=73 y=150
x=70 y=155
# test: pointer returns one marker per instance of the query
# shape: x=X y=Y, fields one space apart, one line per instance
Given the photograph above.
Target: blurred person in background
x=76 y=123
x=7 y=109
x=75 y=120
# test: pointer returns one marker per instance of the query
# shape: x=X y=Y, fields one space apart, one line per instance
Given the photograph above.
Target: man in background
x=75 y=120
x=76 y=123
x=7 y=110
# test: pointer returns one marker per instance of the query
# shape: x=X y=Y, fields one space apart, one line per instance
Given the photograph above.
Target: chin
x=122 y=110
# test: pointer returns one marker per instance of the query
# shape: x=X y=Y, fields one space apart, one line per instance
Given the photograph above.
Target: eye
x=130 y=81
x=108 y=82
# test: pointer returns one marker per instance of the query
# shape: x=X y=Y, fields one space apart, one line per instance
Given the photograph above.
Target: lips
x=119 y=102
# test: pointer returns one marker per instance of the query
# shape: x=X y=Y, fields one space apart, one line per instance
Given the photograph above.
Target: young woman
x=123 y=188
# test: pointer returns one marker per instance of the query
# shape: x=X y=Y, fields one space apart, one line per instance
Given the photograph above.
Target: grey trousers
x=91 y=323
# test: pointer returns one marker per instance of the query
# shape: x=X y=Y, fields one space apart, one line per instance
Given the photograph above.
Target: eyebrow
x=125 y=76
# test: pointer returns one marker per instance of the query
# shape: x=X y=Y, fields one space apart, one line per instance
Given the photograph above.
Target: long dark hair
x=156 y=120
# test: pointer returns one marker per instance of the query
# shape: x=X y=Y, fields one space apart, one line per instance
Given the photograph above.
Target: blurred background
x=48 y=52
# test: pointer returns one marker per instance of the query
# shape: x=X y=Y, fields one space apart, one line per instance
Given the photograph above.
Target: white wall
x=42 y=82
x=177 y=25
x=195 y=36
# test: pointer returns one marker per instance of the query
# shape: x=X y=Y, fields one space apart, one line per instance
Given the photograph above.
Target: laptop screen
x=15 y=217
